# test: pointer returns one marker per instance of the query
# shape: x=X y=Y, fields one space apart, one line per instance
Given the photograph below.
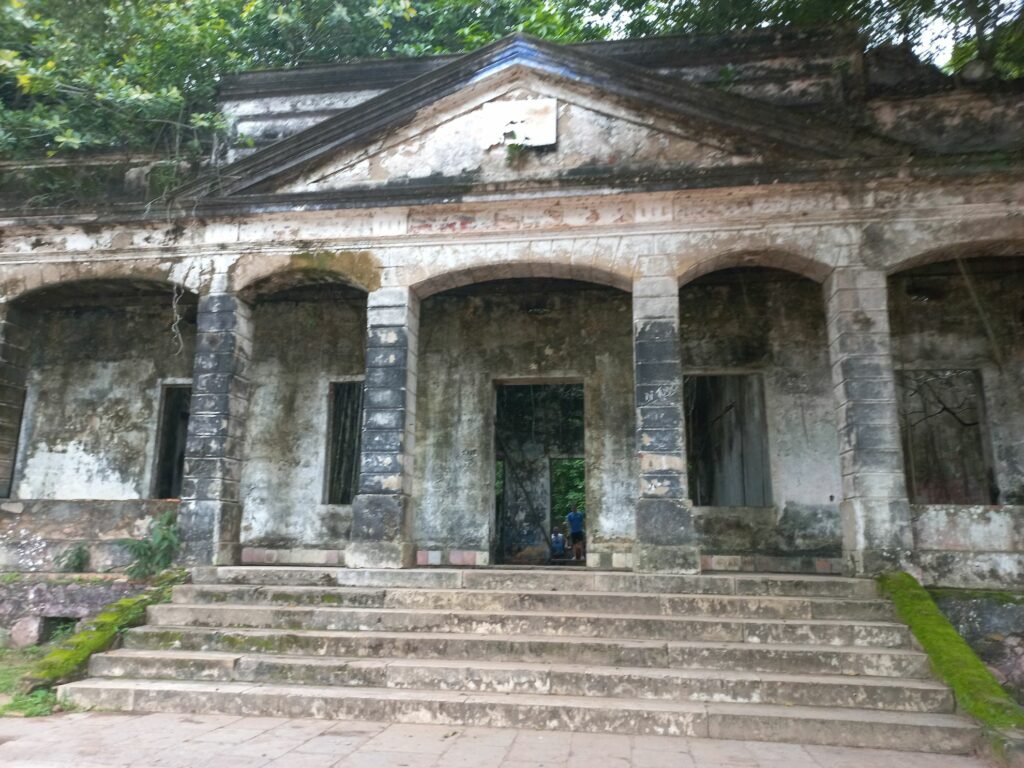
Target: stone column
x=665 y=537
x=874 y=508
x=13 y=374
x=380 y=524
x=211 y=511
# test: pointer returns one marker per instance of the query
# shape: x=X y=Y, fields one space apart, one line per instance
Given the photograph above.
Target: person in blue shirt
x=575 y=521
x=557 y=544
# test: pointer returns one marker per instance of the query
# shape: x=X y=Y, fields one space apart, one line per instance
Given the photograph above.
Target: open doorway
x=539 y=469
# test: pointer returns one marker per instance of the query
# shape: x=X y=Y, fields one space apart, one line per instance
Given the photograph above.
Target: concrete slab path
x=108 y=740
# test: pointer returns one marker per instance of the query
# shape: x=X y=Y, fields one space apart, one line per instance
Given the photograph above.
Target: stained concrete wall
x=299 y=348
x=520 y=331
x=771 y=323
x=91 y=416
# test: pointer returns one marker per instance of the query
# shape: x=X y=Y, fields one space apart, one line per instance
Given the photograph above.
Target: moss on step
x=68 y=659
x=977 y=692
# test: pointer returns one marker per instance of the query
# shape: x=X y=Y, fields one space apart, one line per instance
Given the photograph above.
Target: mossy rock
x=977 y=692
x=68 y=661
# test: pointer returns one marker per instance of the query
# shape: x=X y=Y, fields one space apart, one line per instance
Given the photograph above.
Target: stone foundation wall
x=34 y=532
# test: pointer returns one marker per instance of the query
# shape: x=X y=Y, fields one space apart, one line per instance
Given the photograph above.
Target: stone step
x=707 y=628
x=748 y=657
x=711 y=629
x=542 y=580
x=738 y=606
x=532 y=678
x=807 y=725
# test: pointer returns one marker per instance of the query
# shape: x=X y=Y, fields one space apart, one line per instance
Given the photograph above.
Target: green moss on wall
x=68 y=660
x=977 y=691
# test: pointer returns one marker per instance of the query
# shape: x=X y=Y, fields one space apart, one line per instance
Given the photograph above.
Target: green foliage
x=10 y=578
x=977 y=691
x=74 y=559
x=68 y=658
x=14 y=662
x=568 y=487
x=991 y=31
x=156 y=553
x=141 y=74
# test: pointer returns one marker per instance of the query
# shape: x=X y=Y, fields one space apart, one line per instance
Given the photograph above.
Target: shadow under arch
x=298 y=284
x=513 y=270
x=104 y=291
x=358 y=269
x=971 y=249
x=768 y=258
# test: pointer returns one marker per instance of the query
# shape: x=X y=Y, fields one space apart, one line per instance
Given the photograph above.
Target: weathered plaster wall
x=518 y=330
x=969 y=546
x=772 y=323
x=92 y=409
x=466 y=136
x=299 y=348
x=35 y=532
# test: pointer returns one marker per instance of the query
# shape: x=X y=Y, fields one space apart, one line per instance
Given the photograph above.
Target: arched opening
x=103 y=360
x=761 y=442
x=957 y=324
x=521 y=270
x=97 y=387
x=525 y=394
x=305 y=412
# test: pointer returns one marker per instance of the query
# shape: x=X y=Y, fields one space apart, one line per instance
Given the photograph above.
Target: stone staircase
x=817 y=660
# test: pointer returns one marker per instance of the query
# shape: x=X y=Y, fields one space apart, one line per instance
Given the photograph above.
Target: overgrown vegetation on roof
x=140 y=76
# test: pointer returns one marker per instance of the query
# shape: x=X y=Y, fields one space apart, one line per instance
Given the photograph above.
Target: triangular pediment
x=521 y=128
x=522 y=109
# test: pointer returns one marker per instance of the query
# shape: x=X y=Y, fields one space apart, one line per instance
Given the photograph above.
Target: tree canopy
x=141 y=74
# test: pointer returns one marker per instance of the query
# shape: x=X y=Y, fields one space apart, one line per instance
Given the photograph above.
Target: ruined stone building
x=767 y=291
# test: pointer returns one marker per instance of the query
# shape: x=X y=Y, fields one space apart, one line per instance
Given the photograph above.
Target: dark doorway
x=170 y=464
x=727 y=443
x=344 y=441
x=538 y=470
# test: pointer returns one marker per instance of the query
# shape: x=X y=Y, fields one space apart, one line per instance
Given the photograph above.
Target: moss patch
x=68 y=659
x=977 y=691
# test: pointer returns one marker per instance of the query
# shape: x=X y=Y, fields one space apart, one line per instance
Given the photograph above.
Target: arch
x=20 y=284
x=99 y=290
x=510 y=270
x=297 y=282
x=970 y=249
x=358 y=269
x=775 y=259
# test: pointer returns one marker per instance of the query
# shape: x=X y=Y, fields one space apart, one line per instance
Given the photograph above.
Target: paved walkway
x=100 y=740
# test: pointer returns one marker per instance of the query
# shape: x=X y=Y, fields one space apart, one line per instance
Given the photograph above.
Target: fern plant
x=156 y=553
x=74 y=559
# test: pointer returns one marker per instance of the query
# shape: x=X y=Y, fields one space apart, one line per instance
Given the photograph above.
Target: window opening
x=727 y=441
x=942 y=426
x=346 y=415
x=173 y=433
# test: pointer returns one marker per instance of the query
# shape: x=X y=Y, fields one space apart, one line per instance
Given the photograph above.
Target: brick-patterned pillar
x=13 y=373
x=875 y=511
x=211 y=511
x=380 y=525
x=665 y=537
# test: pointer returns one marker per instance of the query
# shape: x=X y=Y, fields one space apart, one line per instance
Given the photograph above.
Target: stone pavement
x=107 y=740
